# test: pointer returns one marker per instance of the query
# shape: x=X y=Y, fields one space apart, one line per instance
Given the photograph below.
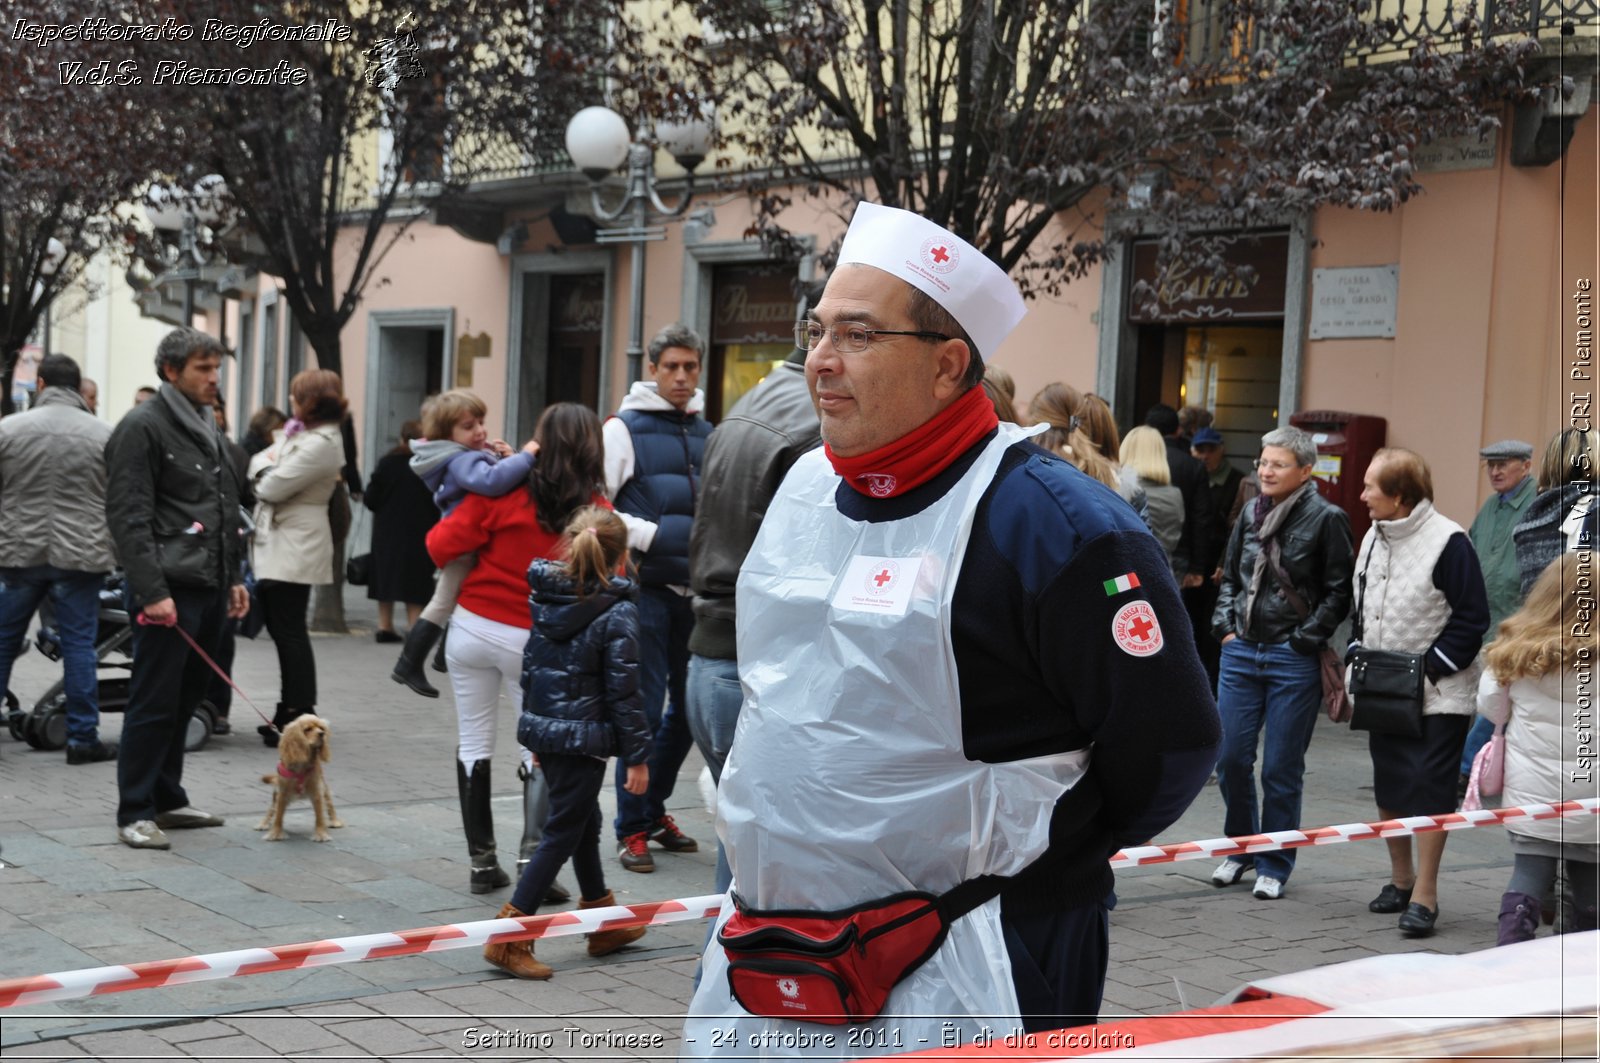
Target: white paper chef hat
x=950 y=271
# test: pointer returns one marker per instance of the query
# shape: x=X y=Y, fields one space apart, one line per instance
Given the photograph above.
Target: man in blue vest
x=654 y=447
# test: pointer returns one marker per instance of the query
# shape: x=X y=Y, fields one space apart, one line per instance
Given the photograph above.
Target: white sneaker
x=1229 y=872
x=143 y=834
x=186 y=818
x=1268 y=888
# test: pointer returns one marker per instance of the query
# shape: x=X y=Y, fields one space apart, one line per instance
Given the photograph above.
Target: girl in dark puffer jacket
x=580 y=706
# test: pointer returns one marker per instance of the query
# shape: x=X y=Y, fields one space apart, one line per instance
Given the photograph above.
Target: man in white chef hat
x=964 y=662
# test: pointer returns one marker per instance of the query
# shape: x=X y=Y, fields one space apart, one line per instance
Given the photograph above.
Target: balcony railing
x=1208 y=35
x=505 y=160
x=1541 y=18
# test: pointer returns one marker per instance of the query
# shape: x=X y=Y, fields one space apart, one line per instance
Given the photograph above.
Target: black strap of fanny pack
x=972 y=893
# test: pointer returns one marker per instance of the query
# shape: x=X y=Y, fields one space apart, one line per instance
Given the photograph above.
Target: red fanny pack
x=838 y=967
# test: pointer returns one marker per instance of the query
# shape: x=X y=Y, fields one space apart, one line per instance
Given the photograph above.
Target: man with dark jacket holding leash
x=173 y=507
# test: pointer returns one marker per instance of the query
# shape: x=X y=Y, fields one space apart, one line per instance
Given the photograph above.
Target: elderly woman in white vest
x=1419 y=589
x=293 y=547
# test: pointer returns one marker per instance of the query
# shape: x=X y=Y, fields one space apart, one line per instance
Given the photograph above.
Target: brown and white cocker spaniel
x=302 y=751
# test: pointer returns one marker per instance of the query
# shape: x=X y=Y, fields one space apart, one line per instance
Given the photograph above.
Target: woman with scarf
x=1562 y=515
x=1419 y=589
x=1285 y=588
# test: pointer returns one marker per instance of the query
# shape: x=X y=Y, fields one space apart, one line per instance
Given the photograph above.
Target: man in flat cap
x=967 y=673
x=1508 y=464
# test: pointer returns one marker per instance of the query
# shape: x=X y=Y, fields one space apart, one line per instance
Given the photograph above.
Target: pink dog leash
x=145 y=621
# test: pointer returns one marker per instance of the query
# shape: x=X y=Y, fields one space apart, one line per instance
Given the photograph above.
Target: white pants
x=485 y=658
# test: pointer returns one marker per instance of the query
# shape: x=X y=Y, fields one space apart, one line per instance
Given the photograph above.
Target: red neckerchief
x=299 y=777
x=920 y=455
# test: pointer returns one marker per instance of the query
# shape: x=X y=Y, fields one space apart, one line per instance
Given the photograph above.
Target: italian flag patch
x=1121 y=583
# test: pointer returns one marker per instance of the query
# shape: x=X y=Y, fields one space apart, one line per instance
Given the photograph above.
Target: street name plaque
x=1354 y=302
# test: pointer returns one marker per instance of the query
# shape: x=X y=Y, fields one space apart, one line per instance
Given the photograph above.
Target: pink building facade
x=1461 y=318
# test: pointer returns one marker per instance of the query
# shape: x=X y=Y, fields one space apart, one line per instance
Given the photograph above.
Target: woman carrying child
x=489 y=627
x=1532 y=686
x=580 y=706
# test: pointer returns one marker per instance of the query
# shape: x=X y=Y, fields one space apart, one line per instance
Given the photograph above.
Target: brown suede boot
x=605 y=942
x=516 y=957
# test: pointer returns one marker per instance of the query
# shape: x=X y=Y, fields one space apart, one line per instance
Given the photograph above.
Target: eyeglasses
x=1276 y=466
x=849 y=337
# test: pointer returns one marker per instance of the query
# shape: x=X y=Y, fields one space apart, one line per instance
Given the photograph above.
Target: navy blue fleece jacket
x=1040 y=669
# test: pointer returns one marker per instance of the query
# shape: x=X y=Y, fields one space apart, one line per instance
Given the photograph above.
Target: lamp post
x=180 y=213
x=597 y=140
x=54 y=255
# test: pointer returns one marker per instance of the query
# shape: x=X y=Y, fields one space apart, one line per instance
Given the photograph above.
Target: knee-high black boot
x=438 y=654
x=409 y=668
x=477 y=820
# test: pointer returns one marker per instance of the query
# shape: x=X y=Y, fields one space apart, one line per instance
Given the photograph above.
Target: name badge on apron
x=878 y=585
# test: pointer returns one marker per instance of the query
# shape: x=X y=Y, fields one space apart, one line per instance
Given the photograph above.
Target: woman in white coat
x=1539 y=686
x=293 y=546
x=1419 y=589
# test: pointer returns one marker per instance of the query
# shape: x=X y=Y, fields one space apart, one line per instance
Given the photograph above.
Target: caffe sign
x=1251 y=289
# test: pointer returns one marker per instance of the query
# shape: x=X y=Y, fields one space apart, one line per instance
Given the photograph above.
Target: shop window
x=753 y=309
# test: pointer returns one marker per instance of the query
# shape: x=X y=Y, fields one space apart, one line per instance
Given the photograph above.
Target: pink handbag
x=1488 y=778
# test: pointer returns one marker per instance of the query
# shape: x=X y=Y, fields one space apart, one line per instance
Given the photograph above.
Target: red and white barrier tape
x=96 y=981
x=1349 y=832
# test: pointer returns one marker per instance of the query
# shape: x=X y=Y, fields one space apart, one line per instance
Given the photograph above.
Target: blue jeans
x=715 y=698
x=76 y=596
x=1477 y=738
x=1265 y=687
x=665 y=620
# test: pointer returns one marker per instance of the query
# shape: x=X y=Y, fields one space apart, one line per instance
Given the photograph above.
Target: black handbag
x=1386 y=690
x=1386 y=687
x=358 y=570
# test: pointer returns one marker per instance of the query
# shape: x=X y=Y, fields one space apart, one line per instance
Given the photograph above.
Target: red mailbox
x=1345 y=445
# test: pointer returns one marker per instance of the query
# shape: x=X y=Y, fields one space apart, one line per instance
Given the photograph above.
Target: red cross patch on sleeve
x=1136 y=630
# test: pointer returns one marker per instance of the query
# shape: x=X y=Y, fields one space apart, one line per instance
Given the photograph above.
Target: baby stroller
x=46 y=726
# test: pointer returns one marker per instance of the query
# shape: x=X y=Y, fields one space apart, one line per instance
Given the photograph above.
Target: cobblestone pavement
x=72 y=897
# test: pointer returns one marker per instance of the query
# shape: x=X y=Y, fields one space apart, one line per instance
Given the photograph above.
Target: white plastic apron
x=847 y=782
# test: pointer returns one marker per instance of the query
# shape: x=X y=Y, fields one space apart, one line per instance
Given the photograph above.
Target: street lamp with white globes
x=181 y=212
x=597 y=141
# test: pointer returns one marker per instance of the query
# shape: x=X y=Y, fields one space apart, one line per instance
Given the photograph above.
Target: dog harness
x=299 y=777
